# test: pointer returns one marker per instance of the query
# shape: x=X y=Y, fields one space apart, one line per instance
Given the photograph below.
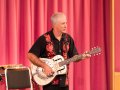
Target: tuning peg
x=94 y=55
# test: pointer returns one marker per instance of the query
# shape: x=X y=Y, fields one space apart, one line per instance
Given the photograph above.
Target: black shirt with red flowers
x=48 y=44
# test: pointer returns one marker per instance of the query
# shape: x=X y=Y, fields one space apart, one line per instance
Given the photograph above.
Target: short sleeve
x=38 y=47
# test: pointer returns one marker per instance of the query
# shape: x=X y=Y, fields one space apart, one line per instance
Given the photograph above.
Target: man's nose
x=65 y=25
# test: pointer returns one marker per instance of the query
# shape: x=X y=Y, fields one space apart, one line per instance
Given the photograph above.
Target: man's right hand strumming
x=48 y=70
x=35 y=60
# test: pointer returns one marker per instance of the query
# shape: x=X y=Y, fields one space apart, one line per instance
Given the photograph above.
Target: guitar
x=41 y=78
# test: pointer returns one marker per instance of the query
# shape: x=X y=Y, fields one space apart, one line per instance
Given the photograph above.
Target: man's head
x=59 y=21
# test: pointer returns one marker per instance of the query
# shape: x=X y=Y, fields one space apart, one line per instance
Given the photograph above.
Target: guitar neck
x=78 y=57
x=74 y=58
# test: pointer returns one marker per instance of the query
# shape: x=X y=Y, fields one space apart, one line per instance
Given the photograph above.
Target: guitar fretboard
x=74 y=58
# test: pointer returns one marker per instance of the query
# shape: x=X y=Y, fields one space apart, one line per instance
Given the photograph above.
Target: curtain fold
x=23 y=21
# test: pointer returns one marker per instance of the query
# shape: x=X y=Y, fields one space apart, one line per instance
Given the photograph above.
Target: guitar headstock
x=95 y=51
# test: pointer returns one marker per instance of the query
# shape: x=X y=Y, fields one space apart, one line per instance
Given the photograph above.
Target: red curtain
x=117 y=40
x=23 y=21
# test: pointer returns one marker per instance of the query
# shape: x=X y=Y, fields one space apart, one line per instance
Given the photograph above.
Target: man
x=54 y=42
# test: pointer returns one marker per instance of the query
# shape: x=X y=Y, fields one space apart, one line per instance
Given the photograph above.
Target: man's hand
x=86 y=55
x=48 y=70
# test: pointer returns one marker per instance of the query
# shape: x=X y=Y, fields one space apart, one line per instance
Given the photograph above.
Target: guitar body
x=40 y=77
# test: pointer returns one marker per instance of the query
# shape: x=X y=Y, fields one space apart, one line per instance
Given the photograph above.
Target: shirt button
x=60 y=51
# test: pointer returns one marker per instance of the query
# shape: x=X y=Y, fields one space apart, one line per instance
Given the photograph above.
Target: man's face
x=61 y=24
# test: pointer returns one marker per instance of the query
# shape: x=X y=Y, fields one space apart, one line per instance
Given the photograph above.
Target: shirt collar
x=53 y=36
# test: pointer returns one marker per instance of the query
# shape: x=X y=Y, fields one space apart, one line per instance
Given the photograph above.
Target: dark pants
x=55 y=87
